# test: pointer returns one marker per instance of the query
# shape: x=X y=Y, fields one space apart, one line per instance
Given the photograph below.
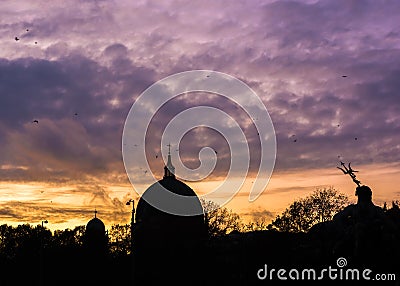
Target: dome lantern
x=169 y=169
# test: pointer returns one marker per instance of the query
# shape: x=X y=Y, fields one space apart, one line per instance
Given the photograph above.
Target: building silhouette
x=95 y=259
x=168 y=246
x=95 y=241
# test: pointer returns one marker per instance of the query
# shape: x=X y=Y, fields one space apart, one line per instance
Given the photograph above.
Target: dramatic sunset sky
x=327 y=71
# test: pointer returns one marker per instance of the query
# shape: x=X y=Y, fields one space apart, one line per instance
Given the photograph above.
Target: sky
x=327 y=72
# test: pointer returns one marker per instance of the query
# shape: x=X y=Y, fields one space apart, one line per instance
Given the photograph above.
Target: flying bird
x=35 y=121
x=16 y=38
x=35 y=43
x=344 y=75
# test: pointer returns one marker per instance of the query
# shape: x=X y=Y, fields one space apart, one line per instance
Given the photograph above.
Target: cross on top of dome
x=169 y=169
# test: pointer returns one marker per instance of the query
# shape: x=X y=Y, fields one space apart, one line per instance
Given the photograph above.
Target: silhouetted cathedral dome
x=156 y=192
x=169 y=231
x=170 y=217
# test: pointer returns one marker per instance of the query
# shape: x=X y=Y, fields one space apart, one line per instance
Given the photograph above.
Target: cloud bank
x=327 y=71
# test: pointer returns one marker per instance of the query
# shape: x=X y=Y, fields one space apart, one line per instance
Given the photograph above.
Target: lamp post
x=131 y=201
x=41 y=253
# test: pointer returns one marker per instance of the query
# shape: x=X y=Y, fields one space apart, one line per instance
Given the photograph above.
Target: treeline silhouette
x=33 y=255
x=313 y=232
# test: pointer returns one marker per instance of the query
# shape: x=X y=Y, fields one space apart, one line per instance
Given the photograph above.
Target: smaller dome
x=95 y=235
x=95 y=225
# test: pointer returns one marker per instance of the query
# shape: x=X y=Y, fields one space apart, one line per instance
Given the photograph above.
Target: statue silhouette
x=361 y=232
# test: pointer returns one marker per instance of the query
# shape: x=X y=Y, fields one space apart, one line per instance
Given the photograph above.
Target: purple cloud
x=327 y=72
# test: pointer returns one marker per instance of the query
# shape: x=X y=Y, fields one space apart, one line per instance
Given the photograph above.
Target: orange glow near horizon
x=69 y=206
